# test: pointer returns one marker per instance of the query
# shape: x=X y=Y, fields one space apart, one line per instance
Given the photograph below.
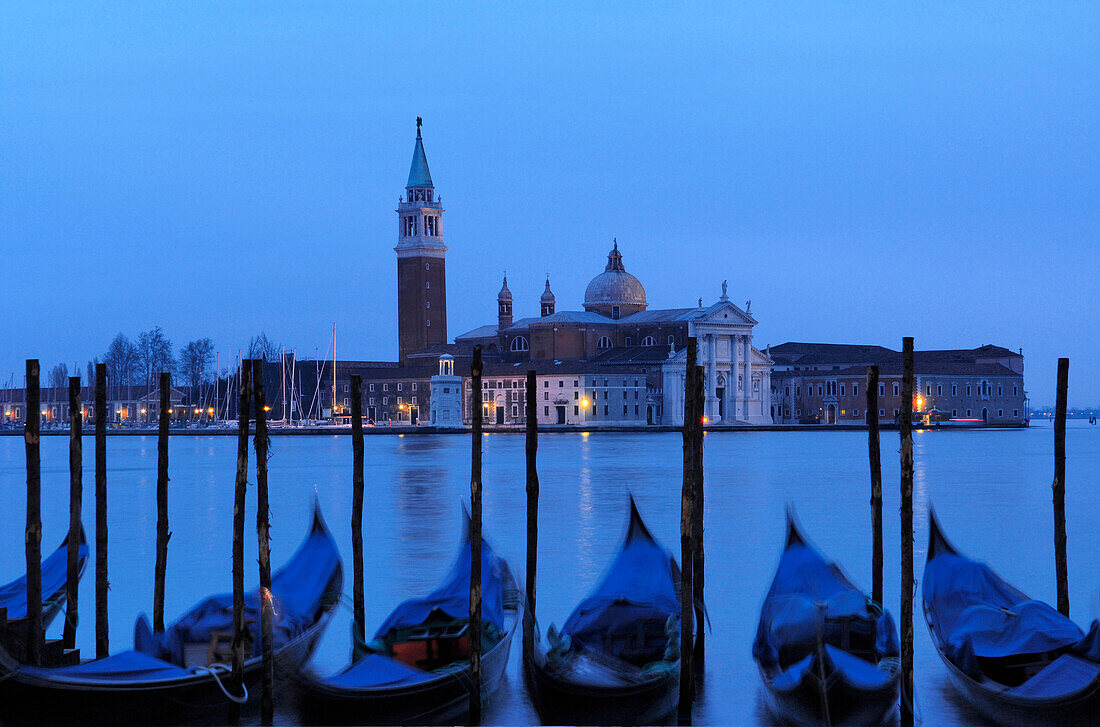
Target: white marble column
x=747 y=364
x=712 y=377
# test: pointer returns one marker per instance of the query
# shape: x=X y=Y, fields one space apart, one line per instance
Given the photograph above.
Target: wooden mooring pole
x=687 y=557
x=76 y=500
x=102 y=649
x=532 y=510
x=240 y=489
x=162 y=502
x=475 y=539
x=907 y=581
x=267 y=697
x=1061 y=565
x=359 y=607
x=33 y=540
x=874 y=453
x=697 y=570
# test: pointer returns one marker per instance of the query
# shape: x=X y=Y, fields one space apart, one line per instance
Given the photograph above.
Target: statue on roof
x=724 y=296
x=748 y=306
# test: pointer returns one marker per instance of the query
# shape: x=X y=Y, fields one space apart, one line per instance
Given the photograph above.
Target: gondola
x=415 y=670
x=1016 y=660
x=55 y=578
x=182 y=675
x=617 y=658
x=827 y=654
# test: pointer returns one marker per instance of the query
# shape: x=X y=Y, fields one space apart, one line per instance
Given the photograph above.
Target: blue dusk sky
x=859 y=171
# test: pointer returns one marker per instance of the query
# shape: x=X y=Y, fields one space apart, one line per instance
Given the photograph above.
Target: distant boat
x=180 y=676
x=827 y=654
x=1017 y=661
x=617 y=659
x=416 y=668
x=55 y=578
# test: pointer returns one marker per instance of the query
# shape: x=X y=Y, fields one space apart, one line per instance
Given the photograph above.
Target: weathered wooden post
x=875 y=455
x=1061 y=564
x=532 y=509
x=239 y=492
x=76 y=502
x=33 y=539
x=101 y=583
x=267 y=699
x=687 y=557
x=907 y=533
x=475 y=540
x=162 y=502
x=359 y=608
x=697 y=570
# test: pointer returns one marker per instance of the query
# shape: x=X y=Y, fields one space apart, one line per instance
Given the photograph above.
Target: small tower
x=446 y=395
x=504 y=306
x=421 y=278
x=547 y=299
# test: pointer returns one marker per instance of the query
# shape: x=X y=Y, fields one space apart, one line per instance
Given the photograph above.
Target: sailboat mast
x=334 y=373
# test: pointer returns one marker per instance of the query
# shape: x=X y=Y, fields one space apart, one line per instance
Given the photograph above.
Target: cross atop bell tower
x=421 y=278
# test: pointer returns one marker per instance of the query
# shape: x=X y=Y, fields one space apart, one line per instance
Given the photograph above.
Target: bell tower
x=421 y=270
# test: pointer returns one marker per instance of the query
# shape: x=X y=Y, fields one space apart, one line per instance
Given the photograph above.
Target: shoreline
x=544 y=429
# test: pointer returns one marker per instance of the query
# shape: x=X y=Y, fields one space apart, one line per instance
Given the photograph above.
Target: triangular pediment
x=725 y=311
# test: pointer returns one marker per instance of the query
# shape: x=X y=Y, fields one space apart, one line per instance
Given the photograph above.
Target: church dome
x=615 y=288
x=547 y=295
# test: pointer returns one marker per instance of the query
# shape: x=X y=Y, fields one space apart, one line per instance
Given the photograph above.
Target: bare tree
x=59 y=376
x=195 y=359
x=263 y=347
x=121 y=359
x=154 y=354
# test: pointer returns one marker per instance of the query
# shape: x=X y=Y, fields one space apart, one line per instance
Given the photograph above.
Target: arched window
x=672 y=340
x=649 y=341
x=519 y=343
x=604 y=342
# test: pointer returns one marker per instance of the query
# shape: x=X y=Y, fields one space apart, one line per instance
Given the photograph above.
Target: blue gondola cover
x=13 y=596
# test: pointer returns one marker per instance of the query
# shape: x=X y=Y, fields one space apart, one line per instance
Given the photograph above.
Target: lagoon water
x=991 y=490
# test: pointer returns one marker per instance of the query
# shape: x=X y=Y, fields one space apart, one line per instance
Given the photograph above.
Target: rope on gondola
x=215 y=669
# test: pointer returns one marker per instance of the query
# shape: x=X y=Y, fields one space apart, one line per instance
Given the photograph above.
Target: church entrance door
x=414 y=415
x=561 y=414
x=372 y=414
x=649 y=415
x=720 y=392
x=831 y=416
x=500 y=415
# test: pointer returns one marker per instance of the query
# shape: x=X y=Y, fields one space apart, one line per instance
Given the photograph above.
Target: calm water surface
x=991 y=489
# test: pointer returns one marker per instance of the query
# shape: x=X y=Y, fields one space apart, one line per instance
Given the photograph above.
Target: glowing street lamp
x=584 y=403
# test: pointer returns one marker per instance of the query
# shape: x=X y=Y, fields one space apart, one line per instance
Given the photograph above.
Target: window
x=895 y=412
x=414 y=401
x=928 y=390
x=576 y=395
x=603 y=343
x=519 y=343
x=969 y=412
x=561 y=384
x=414 y=386
x=576 y=383
x=624 y=393
x=855 y=389
x=546 y=384
x=576 y=411
x=787 y=390
x=1000 y=392
x=895 y=388
x=882 y=412
x=1015 y=390
x=1015 y=412
x=427 y=266
x=818 y=387
x=428 y=324
x=624 y=410
x=672 y=340
x=628 y=340
x=954 y=412
x=345 y=401
x=882 y=389
x=428 y=285
x=546 y=410
x=546 y=396
x=939 y=389
x=855 y=412
x=427 y=304
x=1000 y=413
x=370 y=401
x=649 y=341
x=515 y=411
x=372 y=387
x=385 y=387
x=385 y=400
x=954 y=389
x=842 y=388
x=798 y=391
x=399 y=386
x=399 y=400
x=968 y=390
x=615 y=312
x=605 y=409
x=345 y=388
x=635 y=410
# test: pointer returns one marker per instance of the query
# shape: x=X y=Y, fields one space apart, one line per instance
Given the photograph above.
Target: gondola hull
x=848 y=706
x=565 y=701
x=34 y=699
x=1081 y=709
x=445 y=700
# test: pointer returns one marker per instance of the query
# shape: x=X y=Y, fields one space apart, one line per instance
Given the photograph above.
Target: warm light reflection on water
x=990 y=489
